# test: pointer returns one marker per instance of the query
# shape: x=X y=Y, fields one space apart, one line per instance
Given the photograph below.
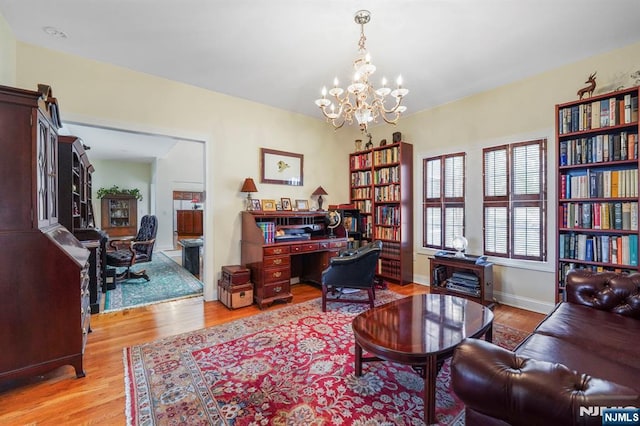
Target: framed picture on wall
x=281 y=167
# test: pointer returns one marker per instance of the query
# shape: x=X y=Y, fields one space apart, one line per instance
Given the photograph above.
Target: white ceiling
x=281 y=52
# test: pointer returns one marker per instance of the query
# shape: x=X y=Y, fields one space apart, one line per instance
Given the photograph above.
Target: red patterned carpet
x=290 y=366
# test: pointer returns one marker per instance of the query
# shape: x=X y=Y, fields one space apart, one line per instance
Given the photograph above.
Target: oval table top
x=410 y=329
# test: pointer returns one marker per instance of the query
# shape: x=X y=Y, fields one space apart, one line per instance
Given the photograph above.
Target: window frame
x=511 y=200
x=442 y=201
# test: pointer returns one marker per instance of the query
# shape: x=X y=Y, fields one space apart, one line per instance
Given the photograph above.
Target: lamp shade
x=249 y=186
x=320 y=191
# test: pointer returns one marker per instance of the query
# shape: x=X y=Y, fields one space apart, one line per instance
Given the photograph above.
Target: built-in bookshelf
x=597 y=177
x=381 y=185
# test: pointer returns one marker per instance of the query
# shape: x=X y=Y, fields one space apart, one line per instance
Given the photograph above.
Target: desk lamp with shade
x=319 y=192
x=249 y=186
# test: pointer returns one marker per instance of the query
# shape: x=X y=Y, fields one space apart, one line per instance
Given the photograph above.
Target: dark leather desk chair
x=129 y=252
x=352 y=269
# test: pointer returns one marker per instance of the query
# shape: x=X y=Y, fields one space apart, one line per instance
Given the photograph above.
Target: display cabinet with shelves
x=120 y=215
x=597 y=177
x=381 y=182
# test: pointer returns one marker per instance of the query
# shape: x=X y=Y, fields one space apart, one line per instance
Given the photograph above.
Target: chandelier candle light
x=361 y=100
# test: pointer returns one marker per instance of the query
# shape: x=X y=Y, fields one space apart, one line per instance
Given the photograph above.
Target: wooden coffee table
x=421 y=331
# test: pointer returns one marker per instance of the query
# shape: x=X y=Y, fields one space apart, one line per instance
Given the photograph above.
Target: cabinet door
x=197 y=222
x=46 y=173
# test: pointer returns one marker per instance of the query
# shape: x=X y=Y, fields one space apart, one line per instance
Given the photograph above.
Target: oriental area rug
x=290 y=366
x=167 y=281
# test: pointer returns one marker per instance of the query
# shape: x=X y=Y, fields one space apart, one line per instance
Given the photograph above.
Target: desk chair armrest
x=120 y=244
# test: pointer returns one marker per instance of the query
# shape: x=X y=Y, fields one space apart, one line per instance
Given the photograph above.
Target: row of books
x=384 y=233
x=390 y=249
x=361 y=161
x=600 y=148
x=389 y=268
x=268 y=231
x=598 y=114
x=361 y=192
x=610 y=249
x=361 y=178
x=387 y=193
x=350 y=223
x=609 y=215
x=387 y=175
x=386 y=156
x=599 y=184
x=363 y=205
x=388 y=215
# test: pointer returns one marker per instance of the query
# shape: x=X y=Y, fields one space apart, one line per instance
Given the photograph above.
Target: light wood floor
x=60 y=399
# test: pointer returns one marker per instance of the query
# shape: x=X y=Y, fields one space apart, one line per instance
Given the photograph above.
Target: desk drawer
x=338 y=244
x=301 y=248
x=275 y=261
x=274 y=251
x=275 y=289
x=281 y=273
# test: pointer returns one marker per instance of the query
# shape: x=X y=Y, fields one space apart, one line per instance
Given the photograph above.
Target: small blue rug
x=168 y=281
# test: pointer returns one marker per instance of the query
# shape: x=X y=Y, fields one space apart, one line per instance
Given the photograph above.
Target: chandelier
x=361 y=100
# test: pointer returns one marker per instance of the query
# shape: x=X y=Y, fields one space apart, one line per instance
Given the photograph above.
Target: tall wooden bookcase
x=597 y=178
x=381 y=183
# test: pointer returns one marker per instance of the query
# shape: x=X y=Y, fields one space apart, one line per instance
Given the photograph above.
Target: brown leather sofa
x=586 y=353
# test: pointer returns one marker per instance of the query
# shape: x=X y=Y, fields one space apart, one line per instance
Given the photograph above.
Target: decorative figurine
x=369 y=144
x=358 y=145
x=397 y=137
x=383 y=142
x=591 y=86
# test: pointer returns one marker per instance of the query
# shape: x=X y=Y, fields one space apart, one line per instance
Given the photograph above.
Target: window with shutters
x=514 y=200
x=443 y=200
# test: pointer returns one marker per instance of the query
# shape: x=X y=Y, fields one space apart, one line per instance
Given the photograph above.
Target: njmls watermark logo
x=613 y=416
x=614 y=413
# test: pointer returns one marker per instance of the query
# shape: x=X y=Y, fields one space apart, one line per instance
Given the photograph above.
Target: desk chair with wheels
x=352 y=269
x=129 y=252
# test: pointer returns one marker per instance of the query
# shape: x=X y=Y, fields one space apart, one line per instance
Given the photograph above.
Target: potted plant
x=115 y=190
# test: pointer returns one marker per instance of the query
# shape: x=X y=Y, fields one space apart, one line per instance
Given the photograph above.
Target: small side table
x=191 y=254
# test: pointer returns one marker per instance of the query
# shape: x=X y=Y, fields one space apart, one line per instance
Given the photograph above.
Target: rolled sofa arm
x=499 y=384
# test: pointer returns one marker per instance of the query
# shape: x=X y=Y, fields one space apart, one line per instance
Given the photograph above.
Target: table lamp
x=249 y=186
x=319 y=192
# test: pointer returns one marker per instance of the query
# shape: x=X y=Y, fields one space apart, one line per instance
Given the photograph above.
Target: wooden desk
x=273 y=265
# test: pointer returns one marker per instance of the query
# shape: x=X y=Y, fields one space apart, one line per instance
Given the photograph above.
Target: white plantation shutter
x=454 y=177
x=495 y=230
x=514 y=200
x=443 y=204
x=454 y=224
x=433 y=180
x=495 y=172
x=434 y=226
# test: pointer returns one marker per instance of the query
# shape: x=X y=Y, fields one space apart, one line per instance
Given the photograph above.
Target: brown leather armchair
x=127 y=253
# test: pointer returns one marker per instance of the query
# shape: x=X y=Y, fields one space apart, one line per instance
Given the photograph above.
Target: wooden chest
x=235 y=275
x=235 y=296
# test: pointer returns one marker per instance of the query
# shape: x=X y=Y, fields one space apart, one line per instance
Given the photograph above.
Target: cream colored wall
x=234 y=130
x=125 y=175
x=182 y=169
x=520 y=111
x=7 y=54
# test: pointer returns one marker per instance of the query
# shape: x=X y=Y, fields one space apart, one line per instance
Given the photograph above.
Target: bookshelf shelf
x=597 y=178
